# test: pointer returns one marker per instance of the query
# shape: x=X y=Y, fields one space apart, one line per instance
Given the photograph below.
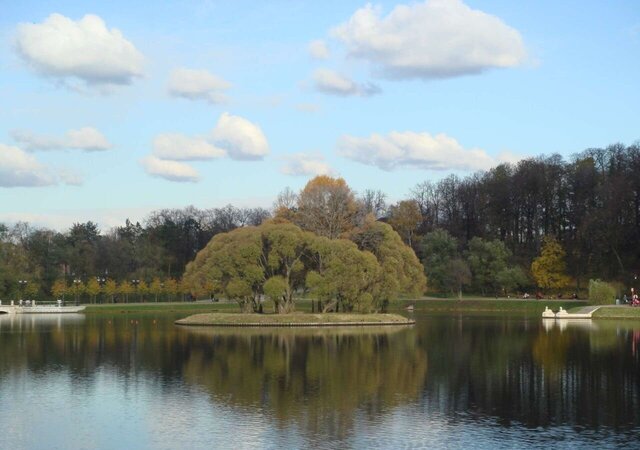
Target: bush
x=601 y=293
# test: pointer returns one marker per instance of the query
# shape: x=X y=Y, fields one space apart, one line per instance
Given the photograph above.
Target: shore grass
x=617 y=312
x=491 y=305
x=293 y=319
x=469 y=304
x=160 y=306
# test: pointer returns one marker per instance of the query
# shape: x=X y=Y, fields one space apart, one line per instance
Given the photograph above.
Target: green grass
x=469 y=304
x=625 y=312
x=164 y=307
x=229 y=319
x=491 y=305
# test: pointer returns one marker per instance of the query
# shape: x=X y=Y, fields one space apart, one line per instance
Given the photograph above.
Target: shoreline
x=476 y=304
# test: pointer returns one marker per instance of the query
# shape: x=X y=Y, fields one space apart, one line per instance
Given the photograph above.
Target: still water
x=139 y=382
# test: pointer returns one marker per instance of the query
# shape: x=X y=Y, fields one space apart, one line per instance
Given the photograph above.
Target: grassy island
x=293 y=320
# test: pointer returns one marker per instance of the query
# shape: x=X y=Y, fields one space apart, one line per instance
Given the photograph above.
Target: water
x=139 y=382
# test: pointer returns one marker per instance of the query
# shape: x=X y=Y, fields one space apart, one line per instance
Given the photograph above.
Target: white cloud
x=414 y=150
x=306 y=164
x=85 y=49
x=169 y=170
x=20 y=169
x=232 y=136
x=240 y=138
x=330 y=82
x=433 y=39
x=87 y=138
x=318 y=49
x=198 y=85
x=178 y=147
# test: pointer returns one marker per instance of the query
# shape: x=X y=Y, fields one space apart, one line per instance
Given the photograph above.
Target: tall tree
x=486 y=260
x=326 y=206
x=405 y=218
x=439 y=249
x=549 y=269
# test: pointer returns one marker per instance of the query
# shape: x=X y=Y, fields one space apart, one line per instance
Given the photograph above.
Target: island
x=294 y=320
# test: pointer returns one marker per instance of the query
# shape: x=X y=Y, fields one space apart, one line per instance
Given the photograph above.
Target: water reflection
x=450 y=380
x=521 y=372
x=314 y=377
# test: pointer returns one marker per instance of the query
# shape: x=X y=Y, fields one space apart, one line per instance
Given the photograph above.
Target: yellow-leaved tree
x=549 y=269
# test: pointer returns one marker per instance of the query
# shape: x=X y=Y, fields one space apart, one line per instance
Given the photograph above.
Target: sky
x=109 y=110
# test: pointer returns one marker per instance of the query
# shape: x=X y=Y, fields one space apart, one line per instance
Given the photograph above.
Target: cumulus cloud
x=232 y=136
x=306 y=164
x=195 y=84
x=433 y=39
x=414 y=150
x=87 y=139
x=318 y=49
x=169 y=170
x=330 y=82
x=241 y=139
x=83 y=50
x=178 y=147
x=20 y=169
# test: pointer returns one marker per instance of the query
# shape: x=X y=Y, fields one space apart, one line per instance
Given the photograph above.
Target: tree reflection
x=510 y=370
x=317 y=377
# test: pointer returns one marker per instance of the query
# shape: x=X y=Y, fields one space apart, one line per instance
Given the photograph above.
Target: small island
x=350 y=268
x=294 y=320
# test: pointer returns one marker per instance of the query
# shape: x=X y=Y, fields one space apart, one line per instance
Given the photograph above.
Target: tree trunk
x=329 y=306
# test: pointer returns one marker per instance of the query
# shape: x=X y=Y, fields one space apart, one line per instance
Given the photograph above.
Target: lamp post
x=101 y=281
x=76 y=286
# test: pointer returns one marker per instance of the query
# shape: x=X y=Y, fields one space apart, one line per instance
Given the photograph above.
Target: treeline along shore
x=547 y=224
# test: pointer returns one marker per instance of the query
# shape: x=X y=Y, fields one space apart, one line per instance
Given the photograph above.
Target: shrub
x=601 y=292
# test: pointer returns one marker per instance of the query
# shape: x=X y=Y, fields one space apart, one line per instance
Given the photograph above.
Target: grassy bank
x=617 y=312
x=491 y=305
x=476 y=304
x=164 y=307
x=293 y=319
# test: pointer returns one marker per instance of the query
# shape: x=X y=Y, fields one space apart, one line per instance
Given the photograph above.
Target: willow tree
x=344 y=276
x=401 y=272
x=229 y=266
x=247 y=263
x=284 y=247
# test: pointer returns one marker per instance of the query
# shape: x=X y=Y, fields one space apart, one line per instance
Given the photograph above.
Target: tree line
x=34 y=260
x=482 y=232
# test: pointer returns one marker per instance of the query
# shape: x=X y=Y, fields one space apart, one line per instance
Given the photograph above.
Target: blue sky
x=394 y=94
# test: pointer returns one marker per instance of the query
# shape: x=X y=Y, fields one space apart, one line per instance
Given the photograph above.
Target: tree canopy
x=276 y=260
x=549 y=269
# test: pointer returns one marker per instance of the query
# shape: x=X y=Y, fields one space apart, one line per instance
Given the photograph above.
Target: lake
x=455 y=381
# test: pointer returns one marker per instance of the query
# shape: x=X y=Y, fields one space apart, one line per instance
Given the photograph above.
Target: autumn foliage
x=343 y=266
